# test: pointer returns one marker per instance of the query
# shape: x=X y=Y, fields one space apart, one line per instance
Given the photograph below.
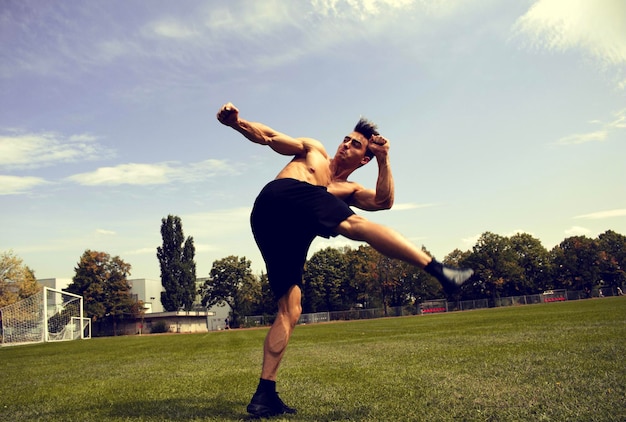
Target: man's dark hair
x=367 y=129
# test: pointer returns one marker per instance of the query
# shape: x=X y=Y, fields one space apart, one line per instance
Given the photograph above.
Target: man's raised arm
x=259 y=133
x=382 y=198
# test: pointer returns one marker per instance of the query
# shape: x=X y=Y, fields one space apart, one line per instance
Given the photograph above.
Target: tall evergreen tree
x=178 y=268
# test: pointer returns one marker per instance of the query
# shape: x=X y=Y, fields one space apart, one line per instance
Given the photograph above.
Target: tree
x=495 y=263
x=17 y=281
x=612 y=248
x=231 y=282
x=403 y=282
x=178 y=268
x=576 y=263
x=324 y=278
x=534 y=261
x=103 y=283
x=363 y=276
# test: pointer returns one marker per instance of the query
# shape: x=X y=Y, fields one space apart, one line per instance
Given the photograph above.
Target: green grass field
x=552 y=362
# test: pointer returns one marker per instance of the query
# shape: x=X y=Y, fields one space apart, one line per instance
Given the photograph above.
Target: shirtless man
x=311 y=196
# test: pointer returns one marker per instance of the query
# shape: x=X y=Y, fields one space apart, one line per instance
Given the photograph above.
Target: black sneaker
x=454 y=278
x=286 y=409
x=265 y=405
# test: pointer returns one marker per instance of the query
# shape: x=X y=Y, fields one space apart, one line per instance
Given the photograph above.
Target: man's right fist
x=228 y=114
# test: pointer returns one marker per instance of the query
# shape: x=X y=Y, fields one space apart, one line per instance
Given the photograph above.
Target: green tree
x=363 y=279
x=17 y=281
x=178 y=268
x=324 y=279
x=612 y=250
x=534 y=260
x=497 y=270
x=249 y=296
x=231 y=282
x=267 y=303
x=103 y=283
x=576 y=263
x=376 y=279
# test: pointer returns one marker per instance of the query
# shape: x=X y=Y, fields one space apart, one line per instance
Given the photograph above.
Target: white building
x=55 y=283
x=149 y=292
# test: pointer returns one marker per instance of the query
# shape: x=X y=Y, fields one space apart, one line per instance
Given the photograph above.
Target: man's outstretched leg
x=393 y=245
x=265 y=401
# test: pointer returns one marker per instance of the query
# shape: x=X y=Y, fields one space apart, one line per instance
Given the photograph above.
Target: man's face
x=352 y=150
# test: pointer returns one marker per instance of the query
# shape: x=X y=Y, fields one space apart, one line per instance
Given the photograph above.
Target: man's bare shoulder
x=311 y=144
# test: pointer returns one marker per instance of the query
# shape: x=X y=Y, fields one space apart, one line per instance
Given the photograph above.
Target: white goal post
x=49 y=315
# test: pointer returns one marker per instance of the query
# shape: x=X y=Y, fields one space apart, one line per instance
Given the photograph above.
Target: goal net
x=50 y=315
x=433 y=306
x=554 y=296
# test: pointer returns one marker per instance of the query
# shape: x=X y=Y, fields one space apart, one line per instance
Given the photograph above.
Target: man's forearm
x=264 y=135
x=255 y=132
x=384 y=185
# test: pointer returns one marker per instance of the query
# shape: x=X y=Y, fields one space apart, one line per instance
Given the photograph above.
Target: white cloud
x=597 y=28
x=105 y=232
x=206 y=37
x=618 y=122
x=582 y=138
x=600 y=215
x=577 y=231
x=519 y=231
x=472 y=240
x=31 y=150
x=125 y=174
x=143 y=251
x=373 y=9
x=338 y=242
x=410 y=206
x=201 y=247
x=173 y=29
x=11 y=185
x=362 y=9
x=154 y=174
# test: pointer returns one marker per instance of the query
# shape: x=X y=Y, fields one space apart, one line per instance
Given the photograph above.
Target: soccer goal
x=433 y=306
x=50 y=315
x=554 y=296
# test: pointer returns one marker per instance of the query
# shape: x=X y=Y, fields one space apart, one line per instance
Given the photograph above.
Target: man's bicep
x=365 y=199
x=286 y=145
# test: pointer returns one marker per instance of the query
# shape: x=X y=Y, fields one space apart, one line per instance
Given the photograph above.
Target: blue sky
x=502 y=116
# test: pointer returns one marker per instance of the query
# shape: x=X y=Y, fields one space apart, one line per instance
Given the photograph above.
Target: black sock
x=266 y=386
x=435 y=268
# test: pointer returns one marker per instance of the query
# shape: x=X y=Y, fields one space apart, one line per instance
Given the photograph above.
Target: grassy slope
x=556 y=362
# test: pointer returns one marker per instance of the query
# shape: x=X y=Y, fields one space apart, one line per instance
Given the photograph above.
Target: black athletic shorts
x=287 y=215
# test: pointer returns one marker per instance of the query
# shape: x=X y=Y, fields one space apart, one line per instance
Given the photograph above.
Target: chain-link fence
x=438 y=306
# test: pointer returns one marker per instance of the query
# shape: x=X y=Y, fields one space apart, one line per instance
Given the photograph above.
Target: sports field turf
x=548 y=362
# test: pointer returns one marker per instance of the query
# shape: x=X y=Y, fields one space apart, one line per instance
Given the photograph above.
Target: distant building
x=149 y=292
x=55 y=283
x=218 y=320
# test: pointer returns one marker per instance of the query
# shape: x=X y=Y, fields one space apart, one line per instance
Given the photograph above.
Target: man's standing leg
x=265 y=401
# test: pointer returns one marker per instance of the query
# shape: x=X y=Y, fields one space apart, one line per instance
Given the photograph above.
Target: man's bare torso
x=315 y=168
